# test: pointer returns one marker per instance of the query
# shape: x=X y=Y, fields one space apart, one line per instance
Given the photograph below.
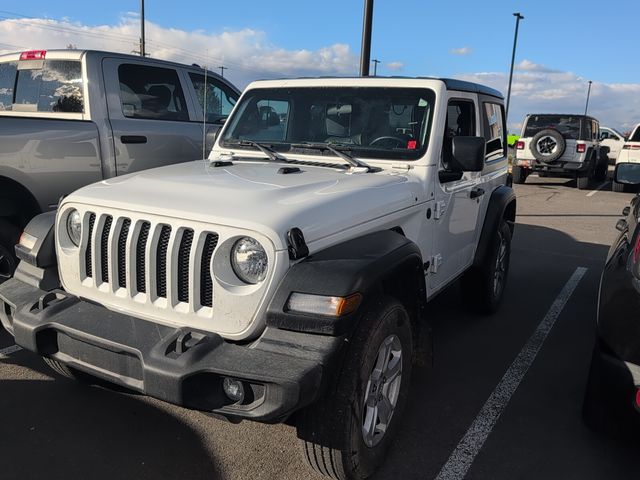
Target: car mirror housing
x=468 y=154
x=627 y=173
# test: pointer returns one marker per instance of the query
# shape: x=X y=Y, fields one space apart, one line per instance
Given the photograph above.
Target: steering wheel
x=398 y=141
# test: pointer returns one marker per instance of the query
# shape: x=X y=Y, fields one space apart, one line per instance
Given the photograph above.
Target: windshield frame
x=287 y=93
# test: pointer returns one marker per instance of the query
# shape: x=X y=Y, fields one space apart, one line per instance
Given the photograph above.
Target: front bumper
x=281 y=371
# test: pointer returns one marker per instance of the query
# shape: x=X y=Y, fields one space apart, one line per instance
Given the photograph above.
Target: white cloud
x=538 y=89
x=528 y=66
x=247 y=53
x=395 y=66
x=461 y=51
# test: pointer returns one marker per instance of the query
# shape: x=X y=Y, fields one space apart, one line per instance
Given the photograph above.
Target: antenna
x=204 y=115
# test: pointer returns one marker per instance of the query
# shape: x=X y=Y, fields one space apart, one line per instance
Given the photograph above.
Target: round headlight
x=74 y=226
x=249 y=260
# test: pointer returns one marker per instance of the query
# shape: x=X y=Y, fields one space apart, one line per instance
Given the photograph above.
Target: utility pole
x=588 y=93
x=513 y=58
x=142 y=51
x=365 y=51
x=222 y=69
x=375 y=62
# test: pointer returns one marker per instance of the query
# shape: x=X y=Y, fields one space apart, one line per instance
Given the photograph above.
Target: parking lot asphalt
x=53 y=428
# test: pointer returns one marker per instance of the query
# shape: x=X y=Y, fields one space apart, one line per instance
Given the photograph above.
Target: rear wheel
x=483 y=286
x=346 y=434
x=519 y=174
x=583 y=182
x=618 y=187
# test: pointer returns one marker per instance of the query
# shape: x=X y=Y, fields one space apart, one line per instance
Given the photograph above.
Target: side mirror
x=627 y=173
x=467 y=154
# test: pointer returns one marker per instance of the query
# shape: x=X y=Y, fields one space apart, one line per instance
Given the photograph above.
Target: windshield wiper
x=266 y=149
x=354 y=162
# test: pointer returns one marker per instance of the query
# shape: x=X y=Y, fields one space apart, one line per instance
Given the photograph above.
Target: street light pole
x=222 y=69
x=375 y=62
x=588 y=93
x=142 y=52
x=513 y=58
x=365 y=51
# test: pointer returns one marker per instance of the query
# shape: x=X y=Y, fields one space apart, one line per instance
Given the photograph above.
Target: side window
x=494 y=130
x=220 y=101
x=461 y=121
x=151 y=92
x=604 y=135
x=56 y=87
x=588 y=134
x=595 y=131
x=8 y=72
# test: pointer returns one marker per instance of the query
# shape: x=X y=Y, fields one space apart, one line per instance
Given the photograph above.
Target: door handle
x=133 y=139
x=476 y=192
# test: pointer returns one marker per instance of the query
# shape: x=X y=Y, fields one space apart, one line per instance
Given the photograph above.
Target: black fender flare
x=371 y=265
x=502 y=205
x=38 y=260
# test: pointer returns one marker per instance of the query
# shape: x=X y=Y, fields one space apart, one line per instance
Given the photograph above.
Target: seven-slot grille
x=163 y=260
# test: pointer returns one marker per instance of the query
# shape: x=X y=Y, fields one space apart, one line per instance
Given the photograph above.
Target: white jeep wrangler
x=285 y=278
x=561 y=146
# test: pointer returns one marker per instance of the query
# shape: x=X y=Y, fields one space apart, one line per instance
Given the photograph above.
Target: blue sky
x=562 y=44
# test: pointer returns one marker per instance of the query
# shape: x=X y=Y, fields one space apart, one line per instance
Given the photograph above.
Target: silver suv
x=561 y=145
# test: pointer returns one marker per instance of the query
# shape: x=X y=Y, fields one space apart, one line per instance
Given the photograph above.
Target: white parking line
x=599 y=187
x=465 y=453
x=5 y=352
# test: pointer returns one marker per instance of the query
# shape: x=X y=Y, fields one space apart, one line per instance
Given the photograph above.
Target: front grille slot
x=104 y=249
x=183 y=265
x=206 y=282
x=161 y=261
x=122 y=253
x=141 y=256
x=87 y=254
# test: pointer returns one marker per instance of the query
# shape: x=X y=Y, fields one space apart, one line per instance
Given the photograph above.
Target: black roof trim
x=462 y=85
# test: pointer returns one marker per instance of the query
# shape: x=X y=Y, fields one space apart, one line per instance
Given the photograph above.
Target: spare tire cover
x=547 y=145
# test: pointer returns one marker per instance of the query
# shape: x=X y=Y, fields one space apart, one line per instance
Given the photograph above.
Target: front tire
x=67 y=372
x=346 y=434
x=483 y=286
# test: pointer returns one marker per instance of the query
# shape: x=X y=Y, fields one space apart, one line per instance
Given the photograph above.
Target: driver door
x=457 y=198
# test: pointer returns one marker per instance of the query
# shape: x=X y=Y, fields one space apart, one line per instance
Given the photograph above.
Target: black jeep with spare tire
x=561 y=145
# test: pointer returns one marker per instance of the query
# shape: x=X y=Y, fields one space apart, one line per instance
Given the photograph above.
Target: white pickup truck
x=286 y=278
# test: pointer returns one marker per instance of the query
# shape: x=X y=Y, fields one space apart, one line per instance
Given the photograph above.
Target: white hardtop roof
x=401 y=82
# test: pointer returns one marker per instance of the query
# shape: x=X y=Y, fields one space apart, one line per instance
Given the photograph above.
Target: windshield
x=635 y=135
x=373 y=122
x=568 y=126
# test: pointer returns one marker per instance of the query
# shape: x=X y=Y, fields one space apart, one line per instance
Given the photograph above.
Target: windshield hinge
x=405 y=167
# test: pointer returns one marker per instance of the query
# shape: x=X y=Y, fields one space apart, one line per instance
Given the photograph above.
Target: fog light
x=233 y=389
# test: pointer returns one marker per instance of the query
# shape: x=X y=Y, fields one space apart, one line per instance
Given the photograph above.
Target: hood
x=253 y=195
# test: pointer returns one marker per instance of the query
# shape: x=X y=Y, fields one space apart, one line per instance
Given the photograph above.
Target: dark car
x=612 y=396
